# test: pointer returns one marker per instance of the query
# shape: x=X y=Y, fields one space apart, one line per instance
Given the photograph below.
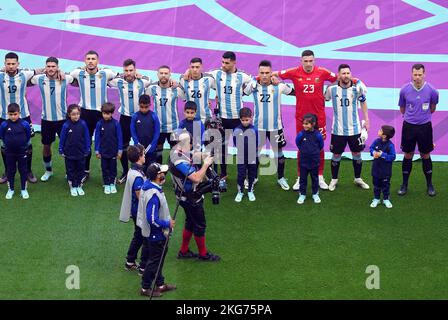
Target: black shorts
x=49 y=129
x=125 y=124
x=420 y=134
x=166 y=136
x=276 y=138
x=338 y=143
x=230 y=123
x=91 y=117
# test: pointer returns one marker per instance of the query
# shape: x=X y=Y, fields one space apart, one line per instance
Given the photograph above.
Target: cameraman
x=186 y=177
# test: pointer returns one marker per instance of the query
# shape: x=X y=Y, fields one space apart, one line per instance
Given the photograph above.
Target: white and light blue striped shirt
x=93 y=87
x=13 y=90
x=129 y=93
x=345 y=107
x=267 y=105
x=165 y=105
x=199 y=92
x=229 y=90
x=54 y=96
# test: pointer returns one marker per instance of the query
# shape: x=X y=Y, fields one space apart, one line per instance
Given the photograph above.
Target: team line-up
x=418 y=100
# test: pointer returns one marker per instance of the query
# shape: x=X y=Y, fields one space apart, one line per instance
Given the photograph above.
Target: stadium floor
x=271 y=248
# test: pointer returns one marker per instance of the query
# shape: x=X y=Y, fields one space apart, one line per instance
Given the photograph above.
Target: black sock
x=47 y=163
x=124 y=162
x=357 y=167
x=281 y=167
x=427 y=170
x=335 y=168
x=406 y=168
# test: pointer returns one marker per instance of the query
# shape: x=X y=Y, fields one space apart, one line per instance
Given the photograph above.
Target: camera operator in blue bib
x=189 y=187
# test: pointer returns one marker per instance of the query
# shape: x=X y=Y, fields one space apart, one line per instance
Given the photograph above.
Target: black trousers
x=109 y=170
x=381 y=185
x=155 y=249
x=194 y=217
x=314 y=173
x=75 y=171
x=91 y=117
x=14 y=162
x=137 y=242
x=249 y=171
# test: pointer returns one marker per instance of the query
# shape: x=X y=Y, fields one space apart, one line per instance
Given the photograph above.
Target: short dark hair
x=11 y=55
x=135 y=152
x=343 y=66
x=92 y=52
x=245 y=112
x=388 y=131
x=418 y=66
x=265 y=63
x=108 y=107
x=191 y=105
x=144 y=99
x=13 y=107
x=72 y=107
x=164 y=67
x=229 y=55
x=195 y=60
x=128 y=62
x=311 y=118
x=307 y=53
x=52 y=59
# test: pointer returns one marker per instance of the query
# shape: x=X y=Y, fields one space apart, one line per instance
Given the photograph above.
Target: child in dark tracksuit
x=383 y=152
x=309 y=141
x=129 y=206
x=194 y=127
x=245 y=138
x=16 y=135
x=74 y=146
x=108 y=146
x=145 y=129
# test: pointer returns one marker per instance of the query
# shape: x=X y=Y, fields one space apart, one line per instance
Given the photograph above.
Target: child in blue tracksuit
x=145 y=129
x=74 y=146
x=383 y=152
x=129 y=206
x=194 y=127
x=108 y=146
x=245 y=138
x=16 y=135
x=310 y=143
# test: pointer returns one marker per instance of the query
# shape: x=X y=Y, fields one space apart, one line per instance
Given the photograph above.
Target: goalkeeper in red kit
x=308 y=81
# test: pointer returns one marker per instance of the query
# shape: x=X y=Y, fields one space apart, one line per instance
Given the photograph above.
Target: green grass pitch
x=271 y=248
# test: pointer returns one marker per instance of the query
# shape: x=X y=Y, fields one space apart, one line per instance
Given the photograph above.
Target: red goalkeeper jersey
x=309 y=88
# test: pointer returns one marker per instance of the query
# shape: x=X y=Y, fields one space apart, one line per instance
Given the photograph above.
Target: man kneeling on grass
x=154 y=219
